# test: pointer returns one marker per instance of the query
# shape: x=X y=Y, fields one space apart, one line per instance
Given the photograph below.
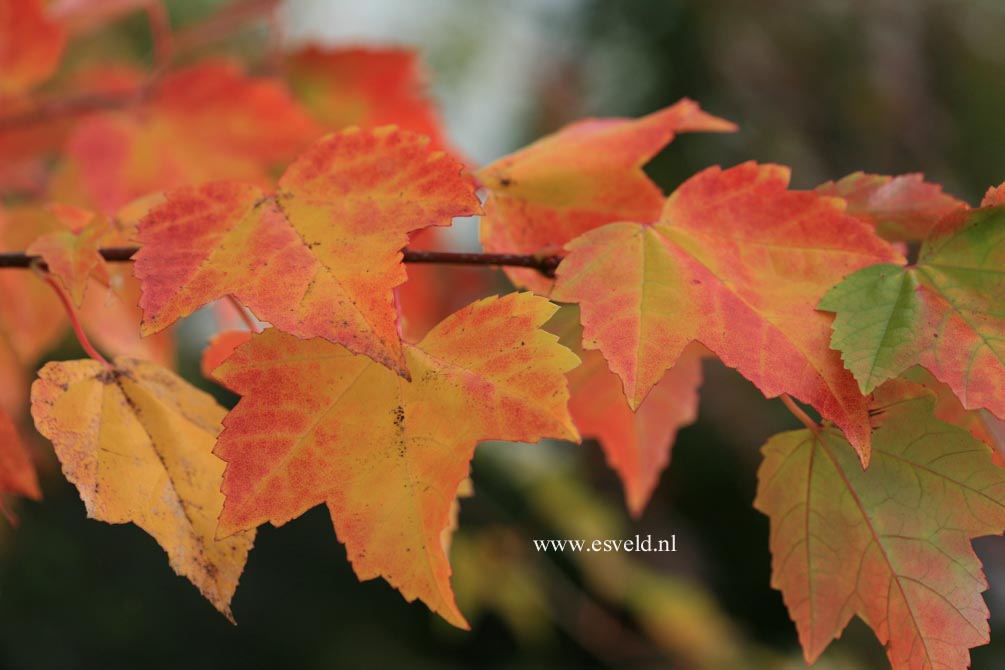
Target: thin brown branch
x=544 y=264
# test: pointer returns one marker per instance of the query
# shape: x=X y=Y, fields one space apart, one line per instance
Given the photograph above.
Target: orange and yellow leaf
x=72 y=255
x=319 y=424
x=137 y=443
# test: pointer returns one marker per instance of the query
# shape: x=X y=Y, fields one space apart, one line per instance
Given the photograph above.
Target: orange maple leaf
x=586 y=175
x=137 y=443
x=71 y=254
x=738 y=263
x=318 y=424
x=333 y=232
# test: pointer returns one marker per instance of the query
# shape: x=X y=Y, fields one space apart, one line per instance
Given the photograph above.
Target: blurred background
x=826 y=87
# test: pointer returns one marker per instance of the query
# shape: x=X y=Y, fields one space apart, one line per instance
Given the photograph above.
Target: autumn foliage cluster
x=285 y=197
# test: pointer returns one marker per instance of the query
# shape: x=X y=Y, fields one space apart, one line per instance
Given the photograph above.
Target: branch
x=544 y=264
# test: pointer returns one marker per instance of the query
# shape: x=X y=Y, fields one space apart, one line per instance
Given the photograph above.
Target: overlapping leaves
x=890 y=544
x=333 y=231
x=738 y=263
x=586 y=175
x=383 y=432
x=946 y=312
x=637 y=443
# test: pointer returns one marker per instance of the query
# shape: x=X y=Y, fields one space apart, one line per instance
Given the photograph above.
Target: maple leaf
x=586 y=175
x=72 y=254
x=946 y=313
x=637 y=444
x=366 y=87
x=17 y=473
x=738 y=263
x=137 y=443
x=30 y=45
x=208 y=121
x=333 y=232
x=318 y=424
x=901 y=208
x=891 y=543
